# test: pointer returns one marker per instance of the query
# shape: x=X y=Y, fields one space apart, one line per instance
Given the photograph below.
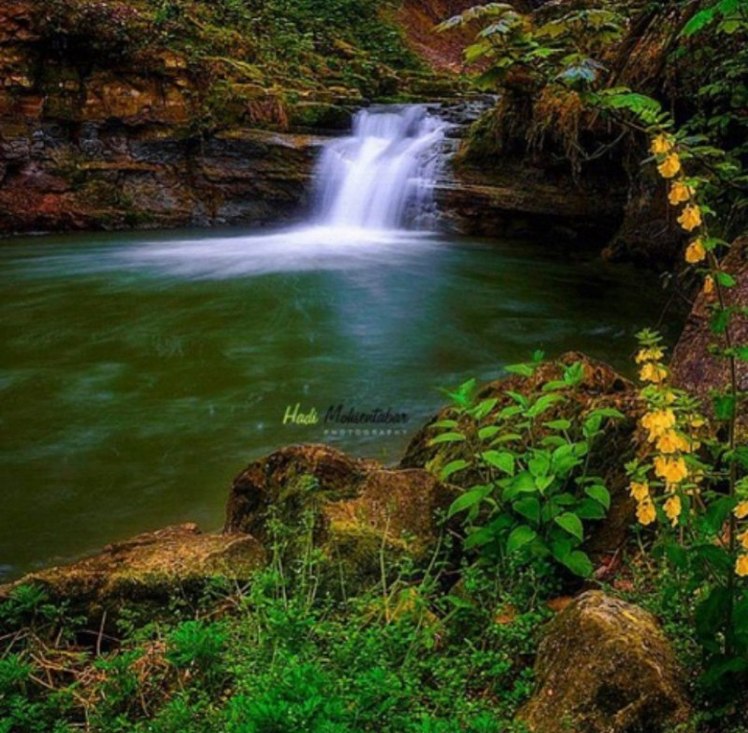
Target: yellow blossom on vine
x=640 y=491
x=671 y=470
x=672 y=442
x=653 y=373
x=690 y=218
x=708 y=285
x=697 y=421
x=658 y=422
x=646 y=513
x=741 y=565
x=669 y=167
x=673 y=509
x=679 y=193
x=661 y=145
x=741 y=510
x=652 y=354
x=695 y=252
x=743 y=539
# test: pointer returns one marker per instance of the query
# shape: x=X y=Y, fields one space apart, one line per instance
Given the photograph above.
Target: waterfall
x=382 y=176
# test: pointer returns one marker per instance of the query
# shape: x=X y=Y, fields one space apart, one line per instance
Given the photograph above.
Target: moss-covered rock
x=147 y=571
x=353 y=510
x=604 y=666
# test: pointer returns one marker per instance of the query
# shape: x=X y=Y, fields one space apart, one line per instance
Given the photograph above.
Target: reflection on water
x=141 y=372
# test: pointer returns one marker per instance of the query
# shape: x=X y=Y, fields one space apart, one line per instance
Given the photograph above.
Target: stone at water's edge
x=693 y=367
x=147 y=571
x=604 y=666
x=600 y=387
x=358 y=508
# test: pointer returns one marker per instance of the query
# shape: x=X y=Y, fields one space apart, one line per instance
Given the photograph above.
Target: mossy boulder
x=147 y=571
x=350 y=509
x=600 y=387
x=604 y=666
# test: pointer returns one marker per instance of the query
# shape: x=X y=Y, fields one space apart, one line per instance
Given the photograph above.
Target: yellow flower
x=653 y=373
x=743 y=539
x=690 y=218
x=671 y=442
x=741 y=566
x=661 y=145
x=640 y=491
x=708 y=285
x=653 y=354
x=671 y=470
x=695 y=252
x=679 y=193
x=741 y=510
x=658 y=423
x=670 y=166
x=646 y=513
x=672 y=509
x=697 y=421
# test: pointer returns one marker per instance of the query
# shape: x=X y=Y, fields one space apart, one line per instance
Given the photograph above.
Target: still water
x=140 y=373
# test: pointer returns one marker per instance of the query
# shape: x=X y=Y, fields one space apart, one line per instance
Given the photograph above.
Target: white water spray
x=382 y=177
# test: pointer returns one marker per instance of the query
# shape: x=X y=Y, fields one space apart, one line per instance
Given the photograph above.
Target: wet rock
x=354 y=509
x=147 y=571
x=509 y=202
x=693 y=367
x=601 y=387
x=604 y=666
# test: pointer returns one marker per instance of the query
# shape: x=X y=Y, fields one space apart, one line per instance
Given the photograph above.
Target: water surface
x=140 y=373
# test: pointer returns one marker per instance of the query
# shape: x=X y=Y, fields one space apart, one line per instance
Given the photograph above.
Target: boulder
x=601 y=387
x=147 y=571
x=693 y=367
x=625 y=676
x=354 y=508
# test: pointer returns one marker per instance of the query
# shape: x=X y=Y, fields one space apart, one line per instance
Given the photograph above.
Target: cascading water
x=382 y=177
x=374 y=197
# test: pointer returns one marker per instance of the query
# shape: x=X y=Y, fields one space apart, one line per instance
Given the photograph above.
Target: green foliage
x=565 y=49
x=416 y=659
x=196 y=644
x=530 y=492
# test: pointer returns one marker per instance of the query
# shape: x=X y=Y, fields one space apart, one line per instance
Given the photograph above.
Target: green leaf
x=726 y=280
x=447 y=438
x=448 y=424
x=720 y=320
x=590 y=509
x=528 y=507
x=519 y=537
x=483 y=408
x=724 y=406
x=600 y=494
x=453 y=467
x=571 y=523
x=469 y=499
x=500 y=459
x=558 y=424
x=488 y=432
x=579 y=563
x=543 y=403
x=540 y=463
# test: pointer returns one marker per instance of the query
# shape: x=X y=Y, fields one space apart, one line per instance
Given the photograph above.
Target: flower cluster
x=682 y=191
x=666 y=462
x=670 y=465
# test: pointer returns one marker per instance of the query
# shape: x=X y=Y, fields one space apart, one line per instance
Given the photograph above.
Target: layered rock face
x=90 y=141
